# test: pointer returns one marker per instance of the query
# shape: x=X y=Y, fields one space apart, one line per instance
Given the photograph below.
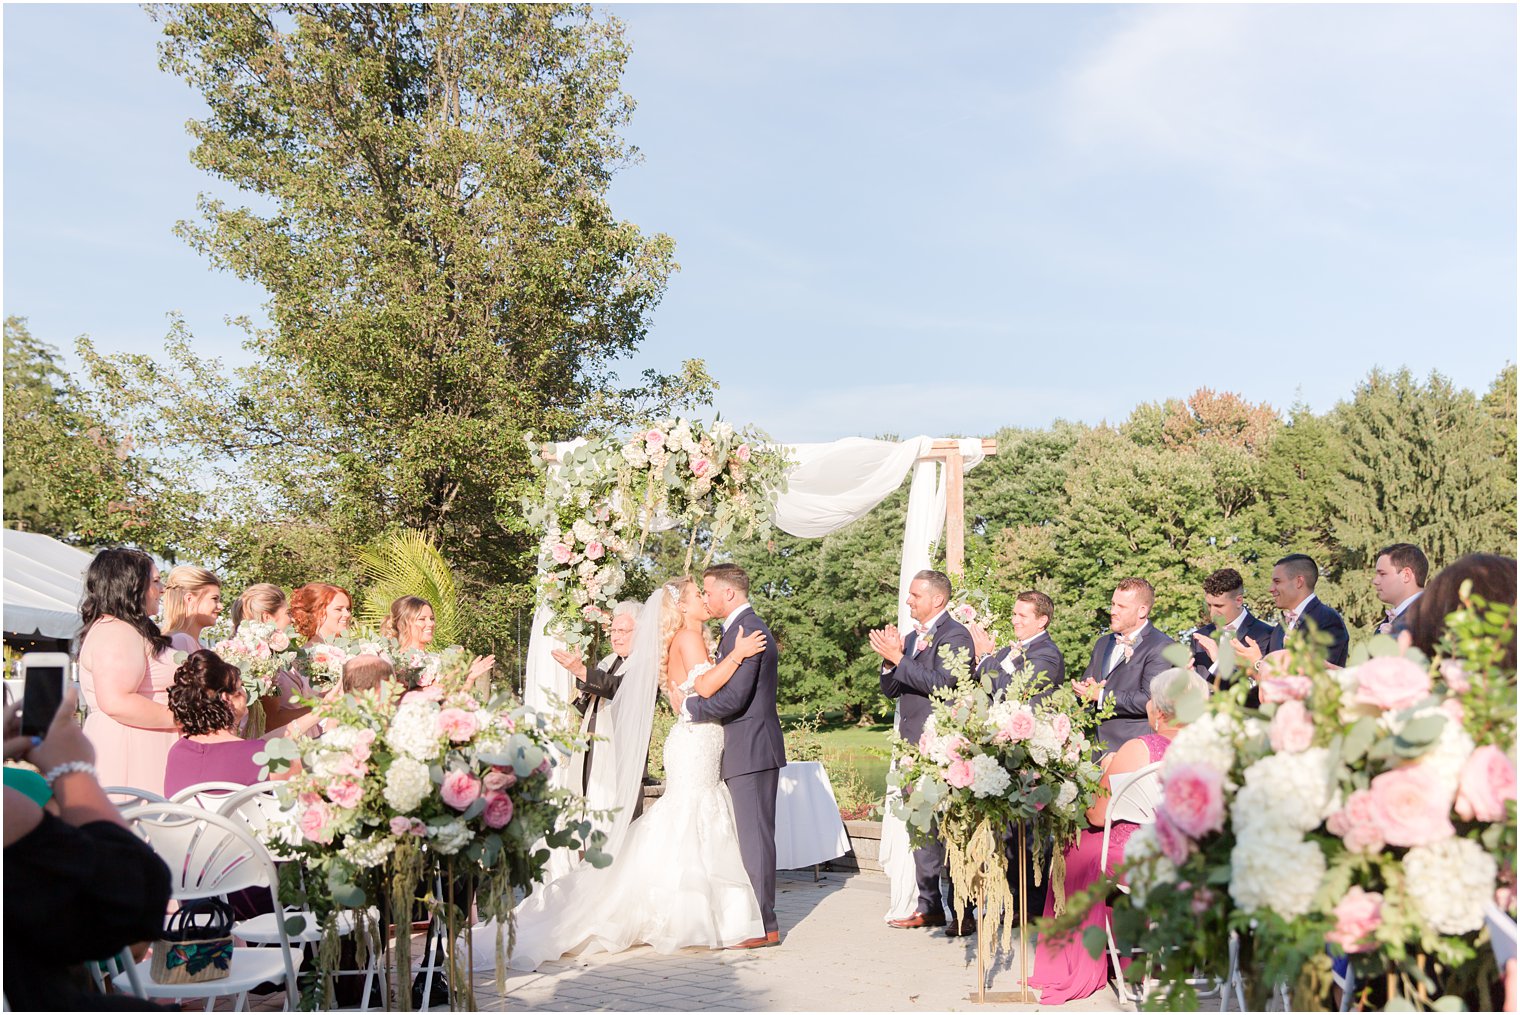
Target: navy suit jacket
x=913 y=679
x=1251 y=627
x=1327 y=620
x=1041 y=653
x=1129 y=684
x=746 y=705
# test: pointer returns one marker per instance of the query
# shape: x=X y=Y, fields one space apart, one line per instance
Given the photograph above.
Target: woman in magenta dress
x=1064 y=971
x=125 y=668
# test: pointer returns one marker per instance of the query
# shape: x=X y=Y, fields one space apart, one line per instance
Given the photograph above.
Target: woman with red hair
x=320 y=613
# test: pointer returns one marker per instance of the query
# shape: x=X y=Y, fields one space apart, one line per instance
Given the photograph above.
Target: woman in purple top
x=1064 y=971
x=209 y=703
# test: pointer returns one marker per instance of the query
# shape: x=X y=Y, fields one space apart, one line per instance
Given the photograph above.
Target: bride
x=678 y=879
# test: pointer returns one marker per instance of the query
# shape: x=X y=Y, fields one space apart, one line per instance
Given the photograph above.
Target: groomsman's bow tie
x=1288 y=617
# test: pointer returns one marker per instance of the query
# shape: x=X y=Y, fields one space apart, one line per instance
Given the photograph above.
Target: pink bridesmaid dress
x=129 y=755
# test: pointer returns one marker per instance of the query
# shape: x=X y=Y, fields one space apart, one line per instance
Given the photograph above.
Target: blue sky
x=909 y=219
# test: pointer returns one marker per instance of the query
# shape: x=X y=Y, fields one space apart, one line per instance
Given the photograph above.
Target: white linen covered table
x=808 y=827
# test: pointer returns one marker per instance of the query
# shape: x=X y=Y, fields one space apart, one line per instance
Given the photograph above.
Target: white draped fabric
x=831 y=486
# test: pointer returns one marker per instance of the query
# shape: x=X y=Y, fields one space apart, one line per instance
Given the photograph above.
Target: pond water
x=872 y=768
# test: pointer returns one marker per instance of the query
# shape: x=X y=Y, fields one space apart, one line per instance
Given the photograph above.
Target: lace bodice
x=693 y=751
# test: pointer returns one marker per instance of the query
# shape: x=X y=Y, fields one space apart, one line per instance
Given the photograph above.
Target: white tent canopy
x=44 y=583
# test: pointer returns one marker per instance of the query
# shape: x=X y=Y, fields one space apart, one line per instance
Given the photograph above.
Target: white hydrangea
x=1209 y=740
x=451 y=838
x=1448 y=882
x=988 y=778
x=634 y=455
x=1446 y=757
x=369 y=852
x=1142 y=854
x=1273 y=867
x=407 y=784
x=1294 y=792
x=414 y=730
x=584 y=530
x=723 y=430
x=1066 y=796
x=1045 y=744
x=342 y=738
x=325 y=764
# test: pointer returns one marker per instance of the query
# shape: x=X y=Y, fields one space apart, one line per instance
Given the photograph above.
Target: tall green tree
x=429 y=216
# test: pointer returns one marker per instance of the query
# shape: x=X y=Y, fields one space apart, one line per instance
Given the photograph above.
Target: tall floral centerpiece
x=603 y=498
x=1366 y=813
x=410 y=787
x=991 y=761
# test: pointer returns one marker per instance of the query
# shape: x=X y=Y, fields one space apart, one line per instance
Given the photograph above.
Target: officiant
x=600 y=683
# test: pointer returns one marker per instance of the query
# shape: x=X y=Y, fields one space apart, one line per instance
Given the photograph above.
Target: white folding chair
x=206 y=794
x=210 y=854
x=259 y=808
x=130 y=796
x=1133 y=796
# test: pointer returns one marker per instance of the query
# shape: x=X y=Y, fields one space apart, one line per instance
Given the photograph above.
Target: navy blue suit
x=753 y=754
x=1041 y=654
x=1325 y=619
x=1251 y=626
x=1128 y=684
x=911 y=682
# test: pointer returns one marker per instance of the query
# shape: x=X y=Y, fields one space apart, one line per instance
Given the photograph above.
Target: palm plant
x=407 y=563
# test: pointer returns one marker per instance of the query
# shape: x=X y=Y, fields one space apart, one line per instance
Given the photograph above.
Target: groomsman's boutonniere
x=924 y=641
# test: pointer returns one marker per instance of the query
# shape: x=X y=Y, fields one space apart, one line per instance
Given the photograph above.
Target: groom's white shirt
x=728 y=622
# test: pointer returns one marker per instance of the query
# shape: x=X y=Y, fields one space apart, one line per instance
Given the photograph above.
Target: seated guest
x=209 y=703
x=1492 y=577
x=1292 y=589
x=365 y=673
x=1064 y=971
x=1398 y=578
x=1032 y=645
x=79 y=885
x=1124 y=662
x=1224 y=594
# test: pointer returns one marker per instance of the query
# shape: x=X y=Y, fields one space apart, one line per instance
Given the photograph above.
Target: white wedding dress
x=678 y=882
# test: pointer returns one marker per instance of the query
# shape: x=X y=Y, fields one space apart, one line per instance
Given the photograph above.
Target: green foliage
x=406 y=563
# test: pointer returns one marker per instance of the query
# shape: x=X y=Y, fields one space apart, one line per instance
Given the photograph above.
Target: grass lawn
x=865 y=749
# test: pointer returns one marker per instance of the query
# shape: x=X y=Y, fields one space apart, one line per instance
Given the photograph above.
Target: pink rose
x=1454 y=710
x=1062 y=725
x=428 y=692
x=953 y=747
x=261 y=651
x=594 y=550
x=965 y=614
x=701 y=467
x=498 y=779
x=1356 y=824
x=345 y=792
x=1455 y=676
x=498 y=810
x=654 y=439
x=1195 y=799
x=507 y=722
x=1410 y=808
x=561 y=553
x=1488 y=780
x=1202 y=901
x=960 y=774
x=1357 y=915
x=314 y=821
x=279 y=641
x=1020 y=726
x=1275 y=690
x=1292 y=730
x=1172 y=840
x=348 y=764
x=400 y=825
x=1391 y=682
x=742 y=452
x=460 y=789
x=419 y=829
x=457 y=724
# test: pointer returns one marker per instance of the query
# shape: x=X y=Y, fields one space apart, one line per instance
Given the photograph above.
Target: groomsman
x=1398 y=578
x=600 y=683
x=1224 y=594
x=912 y=669
x=1292 y=589
x=1124 y=662
x=1032 y=645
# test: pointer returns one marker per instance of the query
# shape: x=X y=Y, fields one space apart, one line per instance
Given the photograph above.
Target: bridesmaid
x=263 y=604
x=125 y=668
x=320 y=613
x=411 y=622
x=192 y=603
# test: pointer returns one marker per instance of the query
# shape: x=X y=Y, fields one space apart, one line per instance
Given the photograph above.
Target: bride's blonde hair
x=671 y=619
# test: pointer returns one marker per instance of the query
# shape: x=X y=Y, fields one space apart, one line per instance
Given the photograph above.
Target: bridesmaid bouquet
x=260 y=650
x=1370 y=809
x=987 y=760
x=403 y=788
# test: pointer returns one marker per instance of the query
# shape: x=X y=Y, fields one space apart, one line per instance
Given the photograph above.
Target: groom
x=753 y=751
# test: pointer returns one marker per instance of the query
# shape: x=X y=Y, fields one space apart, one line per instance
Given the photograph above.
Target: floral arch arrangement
x=603 y=498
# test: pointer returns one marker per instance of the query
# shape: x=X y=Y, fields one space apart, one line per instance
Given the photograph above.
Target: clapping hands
x=1088 y=689
x=981 y=640
x=887 y=643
